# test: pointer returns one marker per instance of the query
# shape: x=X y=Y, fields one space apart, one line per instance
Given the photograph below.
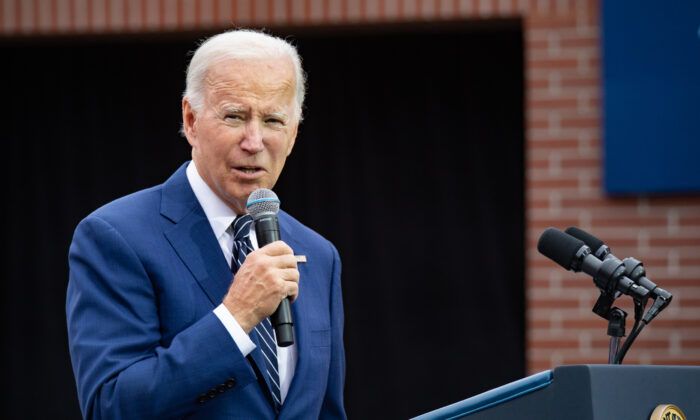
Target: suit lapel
x=192 y=238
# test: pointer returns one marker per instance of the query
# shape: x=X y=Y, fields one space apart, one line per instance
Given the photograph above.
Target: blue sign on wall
x=651 y=96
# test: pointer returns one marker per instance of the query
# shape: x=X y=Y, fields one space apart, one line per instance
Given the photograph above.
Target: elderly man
x=159 y=326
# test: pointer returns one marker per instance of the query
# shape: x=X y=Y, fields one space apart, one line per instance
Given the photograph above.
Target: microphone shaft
x=267 y=230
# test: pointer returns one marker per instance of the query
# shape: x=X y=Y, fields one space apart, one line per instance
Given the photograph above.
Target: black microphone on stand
x=573 y=254
x=263 y=206
x=633 y=269
x=608 y=275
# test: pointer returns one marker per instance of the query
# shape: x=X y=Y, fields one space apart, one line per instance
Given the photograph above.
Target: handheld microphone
x=573 y=254
x=633 y=268
x=263 y=206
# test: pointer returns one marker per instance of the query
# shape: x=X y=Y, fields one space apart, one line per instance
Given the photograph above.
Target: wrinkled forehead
x=265 y=77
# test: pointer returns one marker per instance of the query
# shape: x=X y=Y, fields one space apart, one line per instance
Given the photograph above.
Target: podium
x=584 y=392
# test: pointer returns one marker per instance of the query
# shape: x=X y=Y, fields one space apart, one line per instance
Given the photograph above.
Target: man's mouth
x=248 y=169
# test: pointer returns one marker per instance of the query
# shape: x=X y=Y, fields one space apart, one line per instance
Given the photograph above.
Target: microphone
x=633 y=268
x=599 y=249
x=263 y=206
x=573 y=254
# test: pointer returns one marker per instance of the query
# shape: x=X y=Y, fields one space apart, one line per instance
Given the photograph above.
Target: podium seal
x=667 y=412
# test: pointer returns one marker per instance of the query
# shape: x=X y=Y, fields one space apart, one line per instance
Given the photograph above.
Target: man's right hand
x=267 y=276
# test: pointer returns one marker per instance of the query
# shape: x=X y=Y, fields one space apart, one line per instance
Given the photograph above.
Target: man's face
x=245 y=128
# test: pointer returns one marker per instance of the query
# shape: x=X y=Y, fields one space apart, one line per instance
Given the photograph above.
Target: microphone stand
x=616 y=330
x=616 y=322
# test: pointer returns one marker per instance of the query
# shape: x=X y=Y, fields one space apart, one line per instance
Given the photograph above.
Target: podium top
x=584 y=392
x=490 y=398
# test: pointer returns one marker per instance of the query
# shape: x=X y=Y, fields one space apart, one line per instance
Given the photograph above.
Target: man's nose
x=253 y=139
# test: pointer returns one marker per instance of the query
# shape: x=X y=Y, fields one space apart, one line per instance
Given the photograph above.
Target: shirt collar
x=219 y=214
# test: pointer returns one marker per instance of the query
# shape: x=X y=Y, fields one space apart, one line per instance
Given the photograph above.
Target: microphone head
x=262 y=202
x=560 y=247
x=593 y=243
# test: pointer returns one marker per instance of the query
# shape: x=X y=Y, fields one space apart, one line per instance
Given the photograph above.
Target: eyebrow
x=233 y=109
x=279 y=115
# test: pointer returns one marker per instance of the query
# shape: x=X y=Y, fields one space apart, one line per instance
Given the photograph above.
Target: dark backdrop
x=410 y=160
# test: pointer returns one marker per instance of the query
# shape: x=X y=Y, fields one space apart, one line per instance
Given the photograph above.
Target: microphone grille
x=559 y=246
x=262 y=202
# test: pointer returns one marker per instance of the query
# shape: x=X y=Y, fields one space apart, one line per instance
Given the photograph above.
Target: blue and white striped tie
x=241 y=241
x=241 y=247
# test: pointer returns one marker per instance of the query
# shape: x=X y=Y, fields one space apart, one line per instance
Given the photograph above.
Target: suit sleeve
x=122 y=370
x=333 y=406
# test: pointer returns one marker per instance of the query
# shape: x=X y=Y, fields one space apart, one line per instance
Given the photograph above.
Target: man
x=157 y=328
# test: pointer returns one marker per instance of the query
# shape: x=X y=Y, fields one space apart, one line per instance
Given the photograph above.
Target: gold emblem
x=667 y=412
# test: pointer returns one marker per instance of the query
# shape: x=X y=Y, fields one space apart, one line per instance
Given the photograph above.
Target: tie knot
x=241 y=226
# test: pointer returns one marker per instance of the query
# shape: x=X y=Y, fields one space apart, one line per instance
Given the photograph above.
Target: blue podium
x=584 y=392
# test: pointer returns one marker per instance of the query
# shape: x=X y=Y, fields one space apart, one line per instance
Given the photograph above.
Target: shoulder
x=173 y=199
x=133 y=221
x=135 y=208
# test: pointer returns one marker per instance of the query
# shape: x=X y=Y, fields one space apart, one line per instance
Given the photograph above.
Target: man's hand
x=267 y=276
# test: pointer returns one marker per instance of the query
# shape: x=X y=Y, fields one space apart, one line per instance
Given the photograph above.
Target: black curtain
x=410 y=159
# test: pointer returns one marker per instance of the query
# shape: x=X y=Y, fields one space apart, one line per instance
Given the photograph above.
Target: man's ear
x=189 y=120
x=290 y=146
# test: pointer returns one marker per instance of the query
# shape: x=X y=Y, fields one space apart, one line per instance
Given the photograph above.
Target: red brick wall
x=563 y=167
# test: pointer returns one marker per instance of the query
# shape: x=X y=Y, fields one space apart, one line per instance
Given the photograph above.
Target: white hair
x=241 y=44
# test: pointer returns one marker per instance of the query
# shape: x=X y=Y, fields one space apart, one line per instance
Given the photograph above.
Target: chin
x=241 y=194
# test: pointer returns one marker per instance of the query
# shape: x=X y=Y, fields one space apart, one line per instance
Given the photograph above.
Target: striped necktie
x=241 y=240
x=241 y=247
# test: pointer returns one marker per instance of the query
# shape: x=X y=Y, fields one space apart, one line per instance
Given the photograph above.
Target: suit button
x=221 y=388
x=211 y=393
x=201 y=399
x=230 y=383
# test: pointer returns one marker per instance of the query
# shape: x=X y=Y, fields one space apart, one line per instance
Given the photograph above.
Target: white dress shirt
x=220 y=217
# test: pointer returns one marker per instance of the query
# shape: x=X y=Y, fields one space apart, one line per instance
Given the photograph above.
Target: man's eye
x=233 y=117
x=274 y=121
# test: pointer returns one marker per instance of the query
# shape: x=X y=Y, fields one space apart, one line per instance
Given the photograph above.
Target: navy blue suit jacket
x=146 y=273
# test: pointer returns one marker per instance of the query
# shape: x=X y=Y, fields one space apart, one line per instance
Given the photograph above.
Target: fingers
x=276 y=255
x=267 y=276
x=293 y=293
x=277 y=248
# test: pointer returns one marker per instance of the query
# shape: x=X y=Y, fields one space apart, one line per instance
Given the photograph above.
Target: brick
x=536 y=44
x=690 y=221
x=537 y=84
x=585 y=323
x=553 y=103
x=537 y=21
x=674 y=201
x=675 y=323
x=690 y=343
x=630 y=221
x=674 y=241
x=580 y=122
x=553 y=303
x=582 y=42
x=550 y=144
x=536 y=123
x=683 y=302
x=589 y=202
x=564 y=63
x=533 y=324
x=552 y=344
x=639 y=343
x=578 y=81
x=542 y=225
x=552 y=183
